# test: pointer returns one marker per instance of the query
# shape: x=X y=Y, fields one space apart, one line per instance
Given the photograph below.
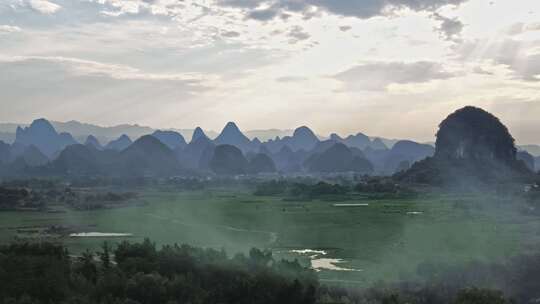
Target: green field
x=385 y=240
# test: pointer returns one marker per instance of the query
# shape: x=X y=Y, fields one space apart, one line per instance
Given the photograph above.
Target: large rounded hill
x=472 y=133
x=473 y=148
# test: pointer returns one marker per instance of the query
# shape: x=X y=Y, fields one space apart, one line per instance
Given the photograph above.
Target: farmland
x=358 y=241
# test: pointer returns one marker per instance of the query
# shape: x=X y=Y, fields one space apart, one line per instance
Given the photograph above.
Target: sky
x=392 y=68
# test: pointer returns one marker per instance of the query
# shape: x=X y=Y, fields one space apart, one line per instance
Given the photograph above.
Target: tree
x=105 y=255
x=480 y=296
x=87 y=268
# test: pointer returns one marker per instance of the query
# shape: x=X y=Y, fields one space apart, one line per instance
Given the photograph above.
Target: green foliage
x=376 y=187
x=480 y=296
x=301 y=190
x=40 y=271
x=39 y=194
x=322 y=189
x=385 y=187
x=43 y=273
x=86 y=266
x=273 y=187
x=105 y=255
x=190 y=184
x=465 y=174
x=10 y=198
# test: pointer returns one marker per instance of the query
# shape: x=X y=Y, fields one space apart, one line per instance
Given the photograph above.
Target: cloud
x=352 y=8
x=520 y=28
x=376 y=76
x=68 y=87
x=297 y=34
x=291 y=79
x=9 y=29
x=449 y=28
x=522 y=58
x=345 y=28
x=44 y=6
x=230 y=34
x=262 y=14
x=480 y=70
x=519 y=114
x=81 y=67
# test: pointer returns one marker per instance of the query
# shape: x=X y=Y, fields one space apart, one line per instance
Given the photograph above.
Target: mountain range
x=80 y=131
x=41 y=147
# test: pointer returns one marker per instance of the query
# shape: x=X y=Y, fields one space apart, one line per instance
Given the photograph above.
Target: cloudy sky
x=392 y=68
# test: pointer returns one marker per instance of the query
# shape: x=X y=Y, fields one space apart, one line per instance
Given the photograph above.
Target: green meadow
x=378 y=239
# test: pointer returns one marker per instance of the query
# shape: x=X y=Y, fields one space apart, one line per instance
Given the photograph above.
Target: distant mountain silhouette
x=289 y=161
x=302 y=139
x=80 y=160
x=92 y=141
x=338 y=158
x=377 y=158
x=527 y=158
x=255 y=144
x=17 y=150
x=265 y=135
x=534 y=150
x=5 y=153
x=198 y=133
x=322 y=146
x=264 y=150
x=335 y=137
x=405 y=151
x=33 y=157
x=231 y=135
x=359 y=140
x=119 y=144
x=81 y=130
x=190 y=156
x=362 y=141
x=42 y=135
x=228 y=160
x=261 y=163
x=378 y=144
x=470 y=142
x=171 y=139
x=7 y=137
x=206 y=156
x=148 y=156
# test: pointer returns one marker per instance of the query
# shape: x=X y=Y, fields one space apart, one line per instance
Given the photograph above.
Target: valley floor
x=359 y=241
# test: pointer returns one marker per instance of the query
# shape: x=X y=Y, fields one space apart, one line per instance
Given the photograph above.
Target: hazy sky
x=392 y=68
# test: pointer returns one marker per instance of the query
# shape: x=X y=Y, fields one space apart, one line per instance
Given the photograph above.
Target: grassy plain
x=385 y=240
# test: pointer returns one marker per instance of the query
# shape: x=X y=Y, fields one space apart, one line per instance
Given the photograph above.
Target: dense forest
x=142 y=273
